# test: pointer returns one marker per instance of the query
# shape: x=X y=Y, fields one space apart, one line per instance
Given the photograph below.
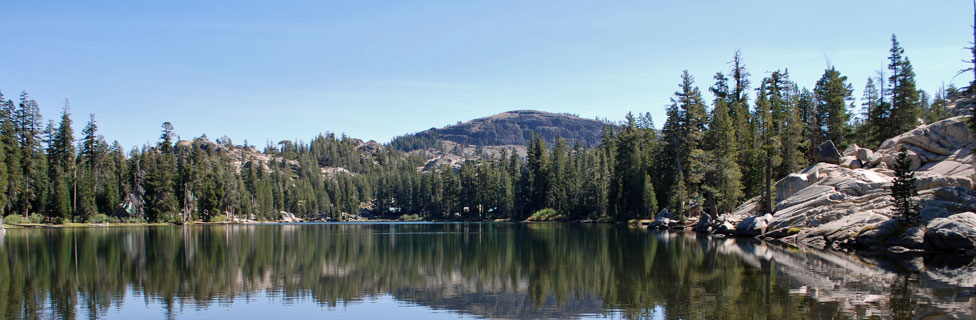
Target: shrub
x=170 y=218
x=36 y=218
x=410 y=217
x=903 y=190
x=547 y=214
x=133 y=220
x=15 y=219
x=793 y=231
x=218 y=218
x=102 y=218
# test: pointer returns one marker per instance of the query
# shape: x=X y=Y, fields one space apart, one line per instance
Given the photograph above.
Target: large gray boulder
x=850 y=163
x=725 y=228
x=891 y=233
x=791 y=184
x=874 y=159
x=753 y=226
x=663 y=220
x=288 y=217
x=864 y=154
x=827 y=152
x=704 y=224
x=953 y=233
x=913 y=238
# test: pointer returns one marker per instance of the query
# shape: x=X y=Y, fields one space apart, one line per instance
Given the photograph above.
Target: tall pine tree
x=833 y=93
x=903 y=95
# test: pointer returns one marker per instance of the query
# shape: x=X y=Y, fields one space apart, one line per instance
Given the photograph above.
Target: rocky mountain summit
x=505 y=133
x=516 y=127
x=845 y=200
x=512 y=128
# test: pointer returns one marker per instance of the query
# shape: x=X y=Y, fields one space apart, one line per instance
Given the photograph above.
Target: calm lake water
x=474 y=270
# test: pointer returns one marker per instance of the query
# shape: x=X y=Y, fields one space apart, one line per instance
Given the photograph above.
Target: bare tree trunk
x=767 y=205
x=74 y=190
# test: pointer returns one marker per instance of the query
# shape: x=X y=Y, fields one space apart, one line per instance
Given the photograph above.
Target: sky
x=266 y=71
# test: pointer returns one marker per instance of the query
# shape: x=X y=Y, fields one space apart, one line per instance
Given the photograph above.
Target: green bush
x=19 y=219
x=102 y=218
x=170 y=218
x=36 y=218
x=547 y=214
x=410 y=217
x=133 y=220
x=14 y=219
x=218 y=218
x=793 y=231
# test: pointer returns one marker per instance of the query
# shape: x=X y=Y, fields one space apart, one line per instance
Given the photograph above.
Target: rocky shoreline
x=844 y=200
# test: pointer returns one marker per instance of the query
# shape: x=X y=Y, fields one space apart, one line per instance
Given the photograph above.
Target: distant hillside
x=508 y=128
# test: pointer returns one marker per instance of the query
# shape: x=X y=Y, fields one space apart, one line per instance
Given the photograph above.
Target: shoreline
x=642 y=224
x=201 y=223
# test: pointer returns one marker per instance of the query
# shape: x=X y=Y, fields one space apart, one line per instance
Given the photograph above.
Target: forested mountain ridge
x=512 y=128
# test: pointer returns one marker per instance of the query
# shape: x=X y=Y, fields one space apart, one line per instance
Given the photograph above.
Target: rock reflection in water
x=496 y=270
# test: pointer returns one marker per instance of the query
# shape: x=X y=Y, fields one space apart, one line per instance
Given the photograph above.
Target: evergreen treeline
x=708 y=157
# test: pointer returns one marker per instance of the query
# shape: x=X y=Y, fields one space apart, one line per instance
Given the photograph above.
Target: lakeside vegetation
x=708 y=157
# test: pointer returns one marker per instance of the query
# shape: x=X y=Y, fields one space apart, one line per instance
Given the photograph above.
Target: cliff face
x=849 y=203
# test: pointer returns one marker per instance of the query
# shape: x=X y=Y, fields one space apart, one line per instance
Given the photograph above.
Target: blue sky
x=271 y=70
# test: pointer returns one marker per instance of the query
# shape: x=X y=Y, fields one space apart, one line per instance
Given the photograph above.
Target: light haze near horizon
x=376 y=69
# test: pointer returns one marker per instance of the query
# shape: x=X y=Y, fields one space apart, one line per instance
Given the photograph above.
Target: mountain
x=507 y=129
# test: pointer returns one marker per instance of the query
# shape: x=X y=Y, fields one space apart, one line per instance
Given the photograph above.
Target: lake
x=460 y=270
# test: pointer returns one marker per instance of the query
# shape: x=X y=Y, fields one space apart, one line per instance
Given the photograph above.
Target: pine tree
x=669 y=166
x=937 y=110
x=739 y=100
x=743 y=121
x=111 y=181
x=90 y=165
x=556 y=197
x=769 y=112
x=160 y=182
x=806 y=113
x=870 y=100
x=725 y=176
x=6 y=138
x=628 y=185
x=61 y=167
x=904 y=97
x=538 y=173
x=693 y=124
x=33 y=178
x=833 y=93
x=794 y=143
x=903 y=189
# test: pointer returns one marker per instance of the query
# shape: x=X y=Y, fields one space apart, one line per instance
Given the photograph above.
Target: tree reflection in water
x=485 y=270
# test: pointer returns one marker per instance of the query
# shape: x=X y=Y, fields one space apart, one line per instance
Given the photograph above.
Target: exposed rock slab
x=847 y=202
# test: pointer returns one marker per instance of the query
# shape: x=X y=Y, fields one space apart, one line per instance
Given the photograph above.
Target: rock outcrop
x=753 y=226
x=663 y=220
x=289 y=217
x=827 y=152
x=845 y=199
x=956 y=232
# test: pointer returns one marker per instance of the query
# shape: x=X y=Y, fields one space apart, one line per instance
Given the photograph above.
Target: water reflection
x=481 y=270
